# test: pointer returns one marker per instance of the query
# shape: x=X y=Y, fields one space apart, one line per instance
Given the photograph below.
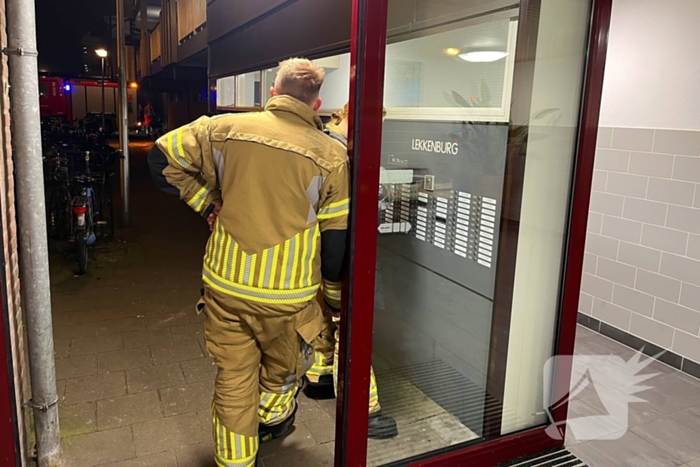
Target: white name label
x=439 y=147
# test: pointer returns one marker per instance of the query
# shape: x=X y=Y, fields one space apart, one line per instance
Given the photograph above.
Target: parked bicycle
x=79 y=176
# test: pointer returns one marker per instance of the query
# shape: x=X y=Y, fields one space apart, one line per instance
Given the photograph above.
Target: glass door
x=462 y=224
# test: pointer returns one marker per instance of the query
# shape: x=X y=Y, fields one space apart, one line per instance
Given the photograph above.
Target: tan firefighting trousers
x=262 y=352
x=325 y=362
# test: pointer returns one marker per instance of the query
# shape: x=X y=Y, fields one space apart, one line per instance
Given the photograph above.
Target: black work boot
x=321 y=390
x=382 y=427
x=268 y=433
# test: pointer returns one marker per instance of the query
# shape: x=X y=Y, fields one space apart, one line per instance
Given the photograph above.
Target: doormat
x=558 y=457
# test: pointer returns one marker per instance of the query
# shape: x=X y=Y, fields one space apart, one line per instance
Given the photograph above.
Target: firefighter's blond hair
x=301 y=79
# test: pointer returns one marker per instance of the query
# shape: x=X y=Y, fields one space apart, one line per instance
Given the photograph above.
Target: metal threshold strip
x=559 y=457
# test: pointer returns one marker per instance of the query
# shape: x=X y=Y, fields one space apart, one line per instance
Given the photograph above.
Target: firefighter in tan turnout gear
x=324 y=371
x=275 y=190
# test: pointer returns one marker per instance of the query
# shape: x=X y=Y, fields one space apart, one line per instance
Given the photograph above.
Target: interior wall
x=642 y=266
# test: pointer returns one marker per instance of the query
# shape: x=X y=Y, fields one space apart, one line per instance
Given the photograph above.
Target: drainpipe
x=123 y=112
x=31 y=215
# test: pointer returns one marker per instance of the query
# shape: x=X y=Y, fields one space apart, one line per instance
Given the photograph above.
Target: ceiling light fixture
x=484 y=56
x=452 y=51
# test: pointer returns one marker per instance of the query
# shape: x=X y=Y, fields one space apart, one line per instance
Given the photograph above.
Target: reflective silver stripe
x=229 y=261
x=254 y=292
x=177 y=155
x=290 y=261
x=222 y=440
x=247 y=462
x=332 y=293
x=268 y=267
x=239 y=452
x=217 y=245
x=198 y=200
x=335 y=209
x=219 y=164
x=246 y=273
x=310 y=236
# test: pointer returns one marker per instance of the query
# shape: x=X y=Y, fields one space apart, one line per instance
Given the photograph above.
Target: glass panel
x=446 y=366
x=336 y=86
x=552 y=126
x=468 y=70
x=225 y=91
x=248 y=90
x=268 y=77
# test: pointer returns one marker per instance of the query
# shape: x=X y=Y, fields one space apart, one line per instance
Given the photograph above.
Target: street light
x=102 y=53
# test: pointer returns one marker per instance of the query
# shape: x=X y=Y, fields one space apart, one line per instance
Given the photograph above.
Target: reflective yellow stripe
x=197 y=201
x=337 y=209
x=331 y=293
x=263 y=265
x=304 y=263
x=223 y=238
x=255 y=294
x=227 y=262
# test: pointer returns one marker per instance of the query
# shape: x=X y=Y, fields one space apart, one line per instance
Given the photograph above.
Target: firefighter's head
x=301 y=79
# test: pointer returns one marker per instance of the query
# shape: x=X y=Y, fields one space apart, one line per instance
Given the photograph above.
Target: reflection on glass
x=248 y=90
x=268 y=81
x=446 y=143
x=225 y=91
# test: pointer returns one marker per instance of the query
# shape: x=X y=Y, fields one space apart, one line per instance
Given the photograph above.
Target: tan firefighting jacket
x=283 y=183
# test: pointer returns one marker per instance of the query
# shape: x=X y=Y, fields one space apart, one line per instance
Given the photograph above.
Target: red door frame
x=368 y=45
x=9 y=437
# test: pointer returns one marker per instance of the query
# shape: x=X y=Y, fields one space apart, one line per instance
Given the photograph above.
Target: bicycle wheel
x=59 y=218
x=82 y=245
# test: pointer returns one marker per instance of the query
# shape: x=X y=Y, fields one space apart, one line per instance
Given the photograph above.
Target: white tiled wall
x=642 y=264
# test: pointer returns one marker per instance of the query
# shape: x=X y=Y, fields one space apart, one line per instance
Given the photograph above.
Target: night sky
x=60 y=27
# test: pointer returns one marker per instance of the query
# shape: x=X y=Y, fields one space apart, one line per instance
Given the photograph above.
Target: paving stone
x=322 y=430
x=329 y=406
x=124 y=360
x=74 y=330
x=188 y=332
x=146 y=338
x=188 y=398
x=310 y=410
x=78 y=419
x=154 y=377
x=141 y=309
x=176 y=306
x=162 y=459
x=76 y=367
x=176 y=352
x=99 y=448
x=198 y=455
x=96 y=314
x=95 y=345
x=164 y=434
x=118 y=326
x=93 y=388
x=128 y=410
x=202 y=369
x=314 y=456
x=299 y=438
x=166 y=320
